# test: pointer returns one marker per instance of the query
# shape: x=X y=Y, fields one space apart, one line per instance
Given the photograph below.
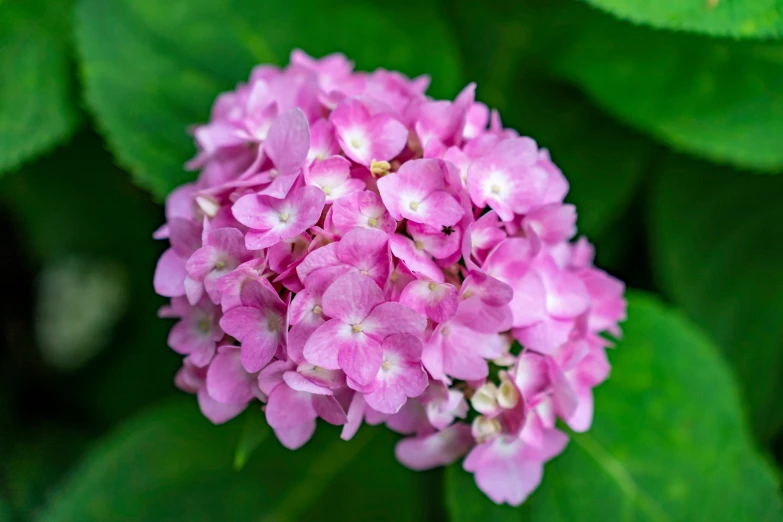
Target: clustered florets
x=356 y=251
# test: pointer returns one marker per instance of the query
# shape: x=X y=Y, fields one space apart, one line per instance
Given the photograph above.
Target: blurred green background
x=666 y=117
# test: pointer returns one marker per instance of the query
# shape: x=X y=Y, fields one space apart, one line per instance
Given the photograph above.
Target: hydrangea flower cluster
x=358 y=252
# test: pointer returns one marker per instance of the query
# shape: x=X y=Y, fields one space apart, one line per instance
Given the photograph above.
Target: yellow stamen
x=414 y=205
x=373 y=222
x=284 y=217
x=357 y=328
x=379 y=168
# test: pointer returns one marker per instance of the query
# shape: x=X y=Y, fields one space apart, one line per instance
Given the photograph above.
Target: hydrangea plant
x=355 y=251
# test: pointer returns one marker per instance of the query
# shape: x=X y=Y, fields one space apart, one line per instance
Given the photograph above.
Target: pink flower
x=362 y=249
x=272 y=220
x=508 y=470
x=228 y=382
x=436 y=301
x=361 y=320
x=507 y=179
x=197 y=332
x=171 y=271
x=401 y=374
x=362 y=253
x=418 y=192
x=260 y=324
x=361 y=209
x=364 y=137
x=333 y=176
x=192 y=379
x=223 y=251
x=295 y=403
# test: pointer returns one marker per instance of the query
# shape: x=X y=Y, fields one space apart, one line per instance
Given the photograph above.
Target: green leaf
x=37 y=105
x=253 y=434
x=508 y=49
x=40 y=456
x=153 y=68
x=668 y=442
x=739 y=18
x=717 y=247
x=719 y=99
x=5 y=511
x=172 y=464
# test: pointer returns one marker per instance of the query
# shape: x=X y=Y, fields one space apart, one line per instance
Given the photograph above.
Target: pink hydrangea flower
x=356 y=252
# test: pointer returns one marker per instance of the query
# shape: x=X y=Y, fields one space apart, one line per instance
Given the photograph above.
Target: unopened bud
x=485 y=428
x=485 y=398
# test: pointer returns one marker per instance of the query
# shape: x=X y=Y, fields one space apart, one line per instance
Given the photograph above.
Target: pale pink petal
x=300 y=383
x=288 y=141
x=329 y=410
x=170 y=273
x=351 y=298
x=360 y=358
x=215 y=411
x=322 y=347
x=227 y=380
x=354 y=416
x=393 y=318
x=416 y=259
x=437 y=301
x=434 y=450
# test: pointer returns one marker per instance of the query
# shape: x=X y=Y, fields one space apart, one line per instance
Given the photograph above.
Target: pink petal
x=438 y=449
x=360 y=358
x=351 y=298
x=300 y=383
x=437 y=301
x=296 y=436
x=215 y=411
x=354 y=417
x=415 y=259
x=322 y=347
x=227 y=381
x=393 y=318
x=329 y=410
x=439 y=209
x=288 y=141
x=170 y=273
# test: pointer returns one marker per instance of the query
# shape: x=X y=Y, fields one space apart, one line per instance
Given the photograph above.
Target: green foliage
x=668 y=441
x=718 y=252
x=715 y=98
x=37 y=108
x=741 y=18
x=151 y=69
x=171 y=464
x=253 y=434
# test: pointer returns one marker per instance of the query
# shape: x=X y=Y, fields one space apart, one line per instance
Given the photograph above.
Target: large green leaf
x=37 y=106
x=508 y=47
x=720 y=99
x=668 y=442
x=172 y=464
x=152 y=68
x=742 y=18
x=718 y=252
